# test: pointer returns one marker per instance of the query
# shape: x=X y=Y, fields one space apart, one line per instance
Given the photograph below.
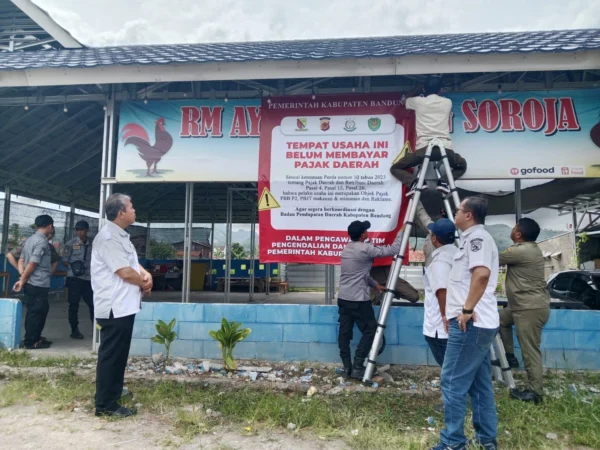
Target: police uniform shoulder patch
x=476 y=244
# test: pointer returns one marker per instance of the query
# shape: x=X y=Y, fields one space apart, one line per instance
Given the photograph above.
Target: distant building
x=416 y=257
x=200 y=250
x=559 y=253
x=139 y=242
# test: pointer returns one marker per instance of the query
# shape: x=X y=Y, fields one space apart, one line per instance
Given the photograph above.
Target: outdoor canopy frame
x=47 y=112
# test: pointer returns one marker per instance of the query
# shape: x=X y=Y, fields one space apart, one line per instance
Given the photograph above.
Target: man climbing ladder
x=432 y=114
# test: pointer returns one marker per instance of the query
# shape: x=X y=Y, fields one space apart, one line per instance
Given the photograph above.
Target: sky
x=123 y=22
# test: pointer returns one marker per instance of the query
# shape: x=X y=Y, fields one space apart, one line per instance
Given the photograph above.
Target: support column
x=518 y=202
x=70 y=234
x=326 y=283
x=5 y=219
x=148 y=234
x=111 y=141
x=103 y=172
x=252 y=254
x=105 y=189
x=332 y=284
x=188 y=243
x=5 y=228
x=268 y=286
x=574 y=213
x=212 y=256
x=227 y=288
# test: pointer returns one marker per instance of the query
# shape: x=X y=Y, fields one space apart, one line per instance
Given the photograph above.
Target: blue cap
x=443 y=228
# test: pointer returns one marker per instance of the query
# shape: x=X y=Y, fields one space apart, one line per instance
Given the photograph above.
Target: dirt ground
x=81 y=430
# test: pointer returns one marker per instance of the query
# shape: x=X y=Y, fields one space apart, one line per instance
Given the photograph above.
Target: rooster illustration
x=135 y=134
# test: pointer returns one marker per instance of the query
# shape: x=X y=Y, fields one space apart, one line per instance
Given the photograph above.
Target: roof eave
x=43 y=19
x=269 y=69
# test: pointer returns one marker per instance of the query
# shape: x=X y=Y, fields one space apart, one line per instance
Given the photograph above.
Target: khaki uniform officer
x=528 y=306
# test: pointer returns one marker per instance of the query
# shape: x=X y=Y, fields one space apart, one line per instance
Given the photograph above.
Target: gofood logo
x=532 y=171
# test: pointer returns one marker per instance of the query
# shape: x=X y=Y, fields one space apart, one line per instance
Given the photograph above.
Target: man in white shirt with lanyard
x=118 y=282
x=435 y=325
x=472 y=313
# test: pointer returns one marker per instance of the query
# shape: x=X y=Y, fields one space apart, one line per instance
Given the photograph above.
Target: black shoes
x=126 y=394
x=443 y=188
x=347 y=367
x=526 y=396
x=413 y=188
x=358 y=368
x=76 y=334
x=513 y=362
x=119 y=413
x=39 y=345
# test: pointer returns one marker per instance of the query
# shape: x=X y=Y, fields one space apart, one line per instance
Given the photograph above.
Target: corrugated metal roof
x=372 y=47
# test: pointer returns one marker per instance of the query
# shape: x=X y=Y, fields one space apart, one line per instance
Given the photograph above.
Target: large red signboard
x=323 y=163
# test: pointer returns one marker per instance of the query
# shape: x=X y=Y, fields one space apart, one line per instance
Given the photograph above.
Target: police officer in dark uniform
x=35 y=282
x=354 y=297
x=77 y=257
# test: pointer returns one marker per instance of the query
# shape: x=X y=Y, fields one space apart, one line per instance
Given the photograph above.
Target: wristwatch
x=467 y=311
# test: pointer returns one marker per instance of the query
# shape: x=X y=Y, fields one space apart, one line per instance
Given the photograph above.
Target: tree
x=161 y=250
x=238 y=251
x=218 y=253
x=14 y=235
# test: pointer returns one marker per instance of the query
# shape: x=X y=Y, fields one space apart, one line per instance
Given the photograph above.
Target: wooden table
x=162 y=280
x=259 y=283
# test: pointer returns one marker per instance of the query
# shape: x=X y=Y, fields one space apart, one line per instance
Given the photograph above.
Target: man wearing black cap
x=435 y=325
x=35 y=282
x=78 y=259
x=354 y=296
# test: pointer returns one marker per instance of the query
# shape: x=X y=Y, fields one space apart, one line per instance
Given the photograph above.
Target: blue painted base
x=10 y=322
x=571 y=339
x=309 y=332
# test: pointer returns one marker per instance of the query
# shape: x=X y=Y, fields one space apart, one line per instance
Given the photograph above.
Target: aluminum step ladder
x=502 y=372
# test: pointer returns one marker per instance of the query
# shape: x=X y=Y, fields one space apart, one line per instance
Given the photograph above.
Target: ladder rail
x=388 y=297
x=502 y=373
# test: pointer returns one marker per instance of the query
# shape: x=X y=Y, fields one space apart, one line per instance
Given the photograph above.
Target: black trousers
x=361 y=314
x=115 y=340
x=400 y=170
x=79 y=288
x=36 y=301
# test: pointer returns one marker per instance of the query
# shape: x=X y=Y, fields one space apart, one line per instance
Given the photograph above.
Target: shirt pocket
x=458 y=262
x=130 y=250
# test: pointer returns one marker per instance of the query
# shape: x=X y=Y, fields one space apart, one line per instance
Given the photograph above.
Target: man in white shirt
x=435 y=324
x=472 y=312
x=118 y=282
x=432 y=115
